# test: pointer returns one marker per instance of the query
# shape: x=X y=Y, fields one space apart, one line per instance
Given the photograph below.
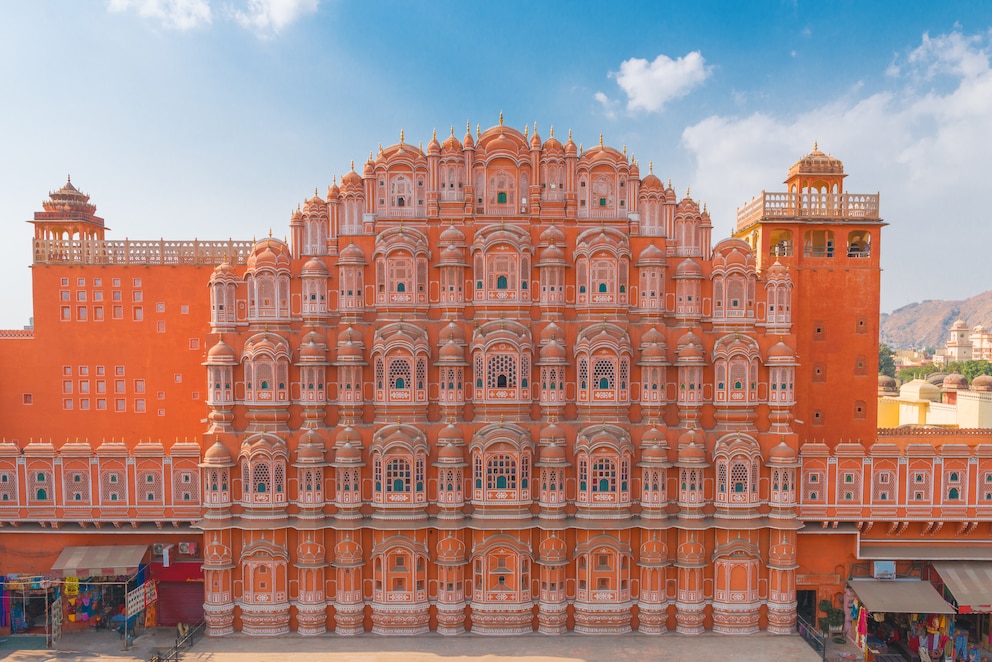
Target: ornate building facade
x=501 y=385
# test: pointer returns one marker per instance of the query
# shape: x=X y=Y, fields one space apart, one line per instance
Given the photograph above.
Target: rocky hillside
x=928 y=324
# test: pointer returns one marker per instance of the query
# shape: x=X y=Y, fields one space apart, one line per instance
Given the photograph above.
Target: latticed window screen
x=400 y=270
x=525 y=471
x=603 y=274
x=77 y=485
x=261 y=479
x=604 y=475
x=399 y=373
x=919 y=488
x=502 y=371
x=739 y=476
x=850 y=488
x=721 y=476
x=881 y=487
x=378 y=373
x=987 y=488
x=421 y=373
x=398 y=475
x=8 y=487
x=150 y=486
x=112 y=489
x=603 y=374
x=624 y=373
x=501 y=472
x=479 y=370
x=583 y=373
x=813 y=488
x=280 y=474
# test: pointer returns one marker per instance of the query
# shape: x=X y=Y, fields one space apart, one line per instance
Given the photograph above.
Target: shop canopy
x=900 y=596
x=970 y=582
x=107 y=561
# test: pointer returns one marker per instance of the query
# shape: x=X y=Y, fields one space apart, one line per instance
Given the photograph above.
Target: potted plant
x=832 y=620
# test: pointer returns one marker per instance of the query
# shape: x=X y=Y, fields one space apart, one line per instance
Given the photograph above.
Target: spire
x=501 y=118
x=402 y=136
x=601 y=141
x=651 y=167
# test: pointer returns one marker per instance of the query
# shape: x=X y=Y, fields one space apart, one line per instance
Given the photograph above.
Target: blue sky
x=215 y=118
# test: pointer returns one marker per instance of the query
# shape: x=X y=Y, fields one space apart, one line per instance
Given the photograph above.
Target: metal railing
x=184 y=641
x=816 y=638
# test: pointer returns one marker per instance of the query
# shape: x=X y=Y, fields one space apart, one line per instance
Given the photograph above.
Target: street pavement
x=671 y=647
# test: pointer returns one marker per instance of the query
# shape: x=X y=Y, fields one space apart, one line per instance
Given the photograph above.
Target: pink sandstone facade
x=501 y=385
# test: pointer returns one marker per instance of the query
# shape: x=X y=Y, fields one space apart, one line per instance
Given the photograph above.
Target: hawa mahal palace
x=499 y=385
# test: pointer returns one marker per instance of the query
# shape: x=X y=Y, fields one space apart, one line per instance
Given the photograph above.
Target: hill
x=928 y=323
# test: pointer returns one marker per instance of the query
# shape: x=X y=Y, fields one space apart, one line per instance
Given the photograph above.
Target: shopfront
x=104 y=587
x=968 y=585
x=180 y=592
x=29 y=605
x=896 y=617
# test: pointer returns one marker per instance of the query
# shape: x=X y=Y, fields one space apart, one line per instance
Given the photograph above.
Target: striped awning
x=970 y=582
x=108 y=561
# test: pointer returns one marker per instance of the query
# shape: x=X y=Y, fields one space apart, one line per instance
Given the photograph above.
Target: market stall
x=900 y=615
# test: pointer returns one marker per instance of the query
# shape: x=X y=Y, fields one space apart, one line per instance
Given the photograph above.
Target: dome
x=449 y=453
x=552 y=453
x=224 y=271
x=959 y=325
x=655 y=453
x=315 y=267
x=551 y=332
x=920 y=390
x=218 y=454
x=570 y=148
x=347 y=435
x=347 y=454
x=351 y=178
x=887 y=385
x=692 y=453
x=552 y=146
x=651 y=255
x=453 y=255
x=955 y=382
x=449 y=434
x=653 y=353
x=936 y=378
x=535 y=141
x=780 y=351
x=982 y=383
x=434 y=147
x=777 y=271
x=453 y=332
x=312 y=351
x=653 y=436
x=451 y=143
x=652 y=183
x=552 y=235
x=352 y=254
x=452 y=235
x=688 y=268
x=690 y=437
x=311 y=448
x=690 y=346
x=653 y=335
x=451 y=351
x=817 y=163
x=552 y=254
x=333 y=192
x=221 y=353
x=552 y=433
x=553 y=351
x=782 y=453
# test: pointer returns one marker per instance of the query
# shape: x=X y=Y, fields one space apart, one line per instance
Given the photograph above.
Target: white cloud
x=268 y=17
x=609 y=106
x=173 y=14
x=650 y=85
x=923 y=143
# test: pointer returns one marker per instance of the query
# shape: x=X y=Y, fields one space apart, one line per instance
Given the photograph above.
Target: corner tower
x=829 y=241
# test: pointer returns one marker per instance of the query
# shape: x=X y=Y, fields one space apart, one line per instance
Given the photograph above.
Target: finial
x=535 y=128
x=625 y=150
x=601 y=141
x=526 y=130
x=501 y=118
x=452 y=130
x=478 y=130
x=569 y=134
x=420 y=146
x=353 y=163
x=501 y=420
x=68 y=179
x=370 y=155
x=580 y=148
x=552 y=130
x=380 y=148
x=816 y=146
x=315 y=194
x=334 y=179
x=669 y=182
x=270 y=233
x=688 y=191
x=402 y=134
x=651 y=167
x=468 y=127
x=435 y=133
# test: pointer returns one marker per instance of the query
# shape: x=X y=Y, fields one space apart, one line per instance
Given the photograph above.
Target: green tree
x=970 y=369
x=886 y=360
x=917 y=372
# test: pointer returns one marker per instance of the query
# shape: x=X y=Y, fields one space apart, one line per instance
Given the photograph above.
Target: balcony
x=842 y=206
x=127 y=252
